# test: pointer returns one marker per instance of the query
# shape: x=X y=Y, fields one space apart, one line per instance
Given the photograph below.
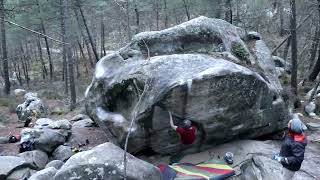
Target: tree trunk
x=43 y=65
x=136 y=10
x=77 y=62
x=17 y=71
x=316 y=68
x=280 y=7
x=156 y=7
x=66 y=38
x=128 y=20
x=186 y=9
x=165 y=14
x=24 y=61
x=238 y=13
x=103 y=48
x=4 y=50
x=286 y=49
x=314 y=47
x=228 y=11
x=81 y=50
x=19 y=75
x=64 y=51
x=83 y=57
x=27 y=55
x=293 y=28
x=88 y=32
x=25 y=70
x=46 y=41
x=85 y=39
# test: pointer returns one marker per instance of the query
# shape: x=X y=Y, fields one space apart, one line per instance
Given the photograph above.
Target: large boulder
x=32 y=104
x=47 y=134
x=37 y=158
x=205 y=70
x=106 y=162
x=14 y=167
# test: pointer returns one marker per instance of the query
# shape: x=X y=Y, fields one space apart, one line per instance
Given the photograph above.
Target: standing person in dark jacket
x=292 y=149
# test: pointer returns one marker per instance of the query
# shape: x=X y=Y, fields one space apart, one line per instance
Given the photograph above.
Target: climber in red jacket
x=187 y=132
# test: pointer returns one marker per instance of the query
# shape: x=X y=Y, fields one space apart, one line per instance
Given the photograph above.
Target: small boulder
x=83 y=123
x=32 y=104
x=43 y=122
x=51 y=139
x=80 y=117
x=21 y=173
x=55 y=163
x=19 y=92
x=252 y=35
x=37 y=158
x=44 y=174
x=313 y=126
x=310 y=108
x=60 y=124
x=106 y=162
x=4 y=140
x=62 y=153
x=45 y=139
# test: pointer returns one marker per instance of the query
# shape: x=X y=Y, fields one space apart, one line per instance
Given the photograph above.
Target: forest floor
x=10 y=125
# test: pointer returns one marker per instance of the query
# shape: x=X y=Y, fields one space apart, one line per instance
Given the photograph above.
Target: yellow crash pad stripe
x=217 y=166
x=179 y=169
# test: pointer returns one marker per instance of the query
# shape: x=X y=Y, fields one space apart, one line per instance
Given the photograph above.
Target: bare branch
x=289 y=36
x=33 y=31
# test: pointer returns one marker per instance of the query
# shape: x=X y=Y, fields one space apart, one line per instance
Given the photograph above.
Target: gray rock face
x=205 y=70
x=55 y=163
x=62 y=153
x=261 y=167
x=32 y=104
x=45 y=174
x=83 y=123
x=14 y=167
x=106 y=162
x=37 y=158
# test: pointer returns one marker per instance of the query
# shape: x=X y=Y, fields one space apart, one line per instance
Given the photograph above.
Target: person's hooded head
x=295 y=125
x=187 y=124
